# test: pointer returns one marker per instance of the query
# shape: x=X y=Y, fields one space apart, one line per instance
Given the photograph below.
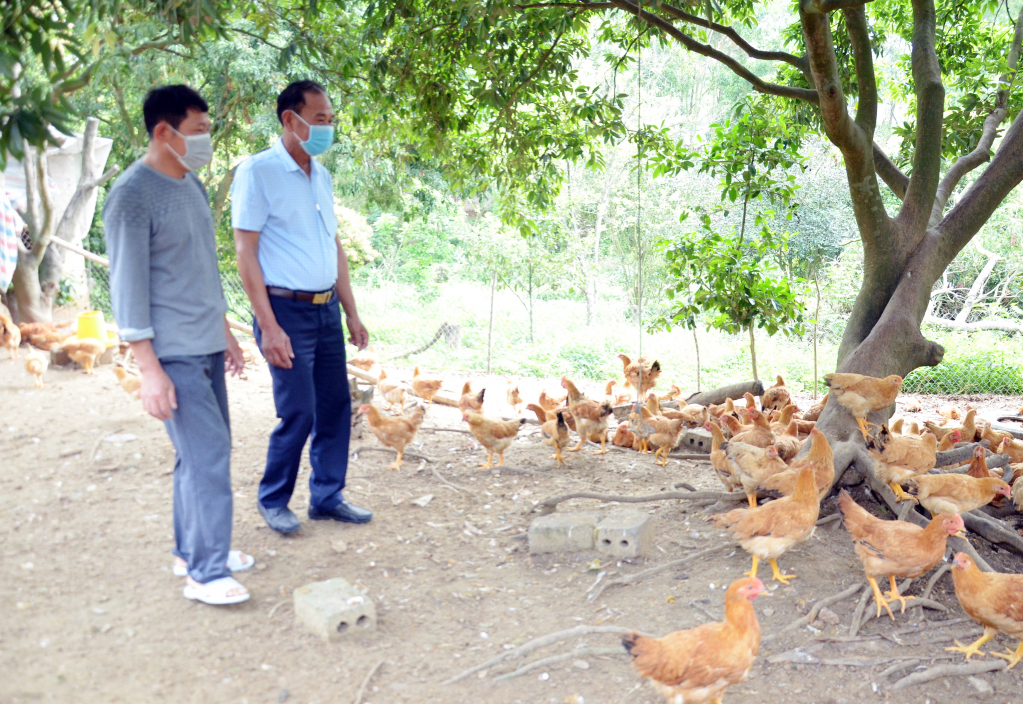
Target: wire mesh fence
x=473 y=328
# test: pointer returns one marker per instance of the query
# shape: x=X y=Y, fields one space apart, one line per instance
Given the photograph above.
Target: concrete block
x=696 y=440
x=334 y=609
x=563 y=532
x=625 y=532
x=59 y=358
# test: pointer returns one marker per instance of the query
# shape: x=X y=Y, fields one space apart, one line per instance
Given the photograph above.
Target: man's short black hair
x=170 y=104
x=293 y=97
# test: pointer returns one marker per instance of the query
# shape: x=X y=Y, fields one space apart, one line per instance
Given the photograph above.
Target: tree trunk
x=816 y=317
x=490 y=327
x=753 y=353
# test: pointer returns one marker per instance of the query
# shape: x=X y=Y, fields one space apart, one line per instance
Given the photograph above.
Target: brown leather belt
x=315 y=298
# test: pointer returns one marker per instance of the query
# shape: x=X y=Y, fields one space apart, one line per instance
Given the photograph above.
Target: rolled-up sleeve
x=250 y=207
x=127 y=225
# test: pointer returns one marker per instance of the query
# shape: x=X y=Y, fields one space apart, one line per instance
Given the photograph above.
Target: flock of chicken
x=697 y=665
x=758 y=450
x=44 y=337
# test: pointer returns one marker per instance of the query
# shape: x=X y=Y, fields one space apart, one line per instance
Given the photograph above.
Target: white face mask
x=198 y=150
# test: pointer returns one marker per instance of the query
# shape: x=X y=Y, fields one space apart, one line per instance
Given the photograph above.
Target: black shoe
x=283 y=520
x=344 y=511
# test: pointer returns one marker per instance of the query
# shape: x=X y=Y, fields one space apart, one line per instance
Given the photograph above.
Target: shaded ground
x=91 y=612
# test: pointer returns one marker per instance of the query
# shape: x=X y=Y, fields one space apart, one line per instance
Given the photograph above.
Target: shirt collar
x=289 y=161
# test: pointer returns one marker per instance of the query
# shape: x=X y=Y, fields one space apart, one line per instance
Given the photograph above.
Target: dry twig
x=412 y=455
x=640 y=576
x=538 y=643
x=365 y=682
x=445 y=481
x=577 y=653
x=548 y=505
x=934 y=673
x=828 y=601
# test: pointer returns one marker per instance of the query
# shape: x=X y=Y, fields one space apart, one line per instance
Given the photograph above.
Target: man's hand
x=234 y=359
x=158 y=395
x=358 y=334
x=276 y=347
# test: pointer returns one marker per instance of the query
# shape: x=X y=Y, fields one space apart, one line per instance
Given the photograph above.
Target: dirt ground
x=91 y=612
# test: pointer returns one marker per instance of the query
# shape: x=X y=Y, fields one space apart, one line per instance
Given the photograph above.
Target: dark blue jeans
x=312 y=399
x=201 y=432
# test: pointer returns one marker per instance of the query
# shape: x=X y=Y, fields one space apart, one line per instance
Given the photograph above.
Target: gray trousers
x=201 y=433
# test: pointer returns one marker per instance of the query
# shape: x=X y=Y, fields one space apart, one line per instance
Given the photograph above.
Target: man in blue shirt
x=295 y=272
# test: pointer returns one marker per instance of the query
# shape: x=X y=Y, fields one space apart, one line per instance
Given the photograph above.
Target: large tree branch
x=799 y=62
x=890 y=173
x=825 y=6
x=977 y=289
x=984 y=196
x=982 y=153
x=930 y=113
x=863 y=57
x=759 y=84
x=990 y=324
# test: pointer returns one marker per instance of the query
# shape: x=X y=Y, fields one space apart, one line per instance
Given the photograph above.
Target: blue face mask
x=320 y=137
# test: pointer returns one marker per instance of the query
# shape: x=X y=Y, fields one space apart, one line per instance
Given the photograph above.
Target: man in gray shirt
x=169 y=305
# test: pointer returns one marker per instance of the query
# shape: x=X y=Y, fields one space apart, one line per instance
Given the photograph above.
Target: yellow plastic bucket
x=91 y=324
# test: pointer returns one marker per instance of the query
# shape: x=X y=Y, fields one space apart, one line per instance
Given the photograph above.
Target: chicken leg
x=603 y=448
x=500 y=462
x=1013 y=658
x=974 y=647
x=893 y=595
x=778 y=576
x=879 y=598
x=752 y=498
x=397 y=461
x=900 y=493
x=490 y=462
x=577 y=447
x=752 y=574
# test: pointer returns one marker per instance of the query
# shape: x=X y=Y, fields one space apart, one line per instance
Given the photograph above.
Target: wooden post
x=490 y=328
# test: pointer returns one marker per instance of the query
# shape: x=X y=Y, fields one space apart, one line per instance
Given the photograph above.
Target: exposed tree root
x=827 y=601
x=933 y=673
x=365 y=682
x=644 y=574
x=538 y=643
x=916 y=612
x=548 y=505
x=388 y=450
x=445 y=482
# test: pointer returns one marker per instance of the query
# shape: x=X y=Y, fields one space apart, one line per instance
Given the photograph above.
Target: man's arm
x=126 y=224
x=276 y=344
x=234 y=359
x=358 y=335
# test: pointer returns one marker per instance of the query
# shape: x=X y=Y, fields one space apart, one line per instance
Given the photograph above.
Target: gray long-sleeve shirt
x=164 y=279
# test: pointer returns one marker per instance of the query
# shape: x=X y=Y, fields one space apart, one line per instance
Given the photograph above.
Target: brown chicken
x=667 y=433
x=590 y=417
x=494 y=435
x=780 y=420
x=957 y=493
x=472 y=402
x=613 y=397
x=949 y=441
x=718 y=459
x=912 y=405
x=978 y=465
x=896 y=426
x=970 y=431
x=768 y=531
x=751 y=465
x=549 y=403
x=634 y=371
x=365 y=360
x=760 y=434
x=36 y=364
x=129 y=381
x=392 y=392
x=896 y=548
x=674 y=393
x=10 y=334
x=950 y=412
x=623 y=437
x=814 y=412
x=395 y=433
x=425 y=388
x=514 y=399
x=1011 y=447
x=788 y=443
x=819 y=458
x=731 y=426
x=555 y=433
x=861 y=395
x=544 y=415
x=84 y=351
x=696 y=666
x=776 y=397
x=899 y=458
x=992 y=599
x=938 y=431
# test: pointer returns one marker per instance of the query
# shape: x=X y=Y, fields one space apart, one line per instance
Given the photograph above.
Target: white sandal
x=215 y=592
x=237 y=561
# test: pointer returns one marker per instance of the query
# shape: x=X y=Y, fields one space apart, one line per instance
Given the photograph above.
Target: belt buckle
x=321 y=298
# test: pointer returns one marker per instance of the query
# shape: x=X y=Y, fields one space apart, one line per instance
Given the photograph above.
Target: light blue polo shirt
x=294 y=216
